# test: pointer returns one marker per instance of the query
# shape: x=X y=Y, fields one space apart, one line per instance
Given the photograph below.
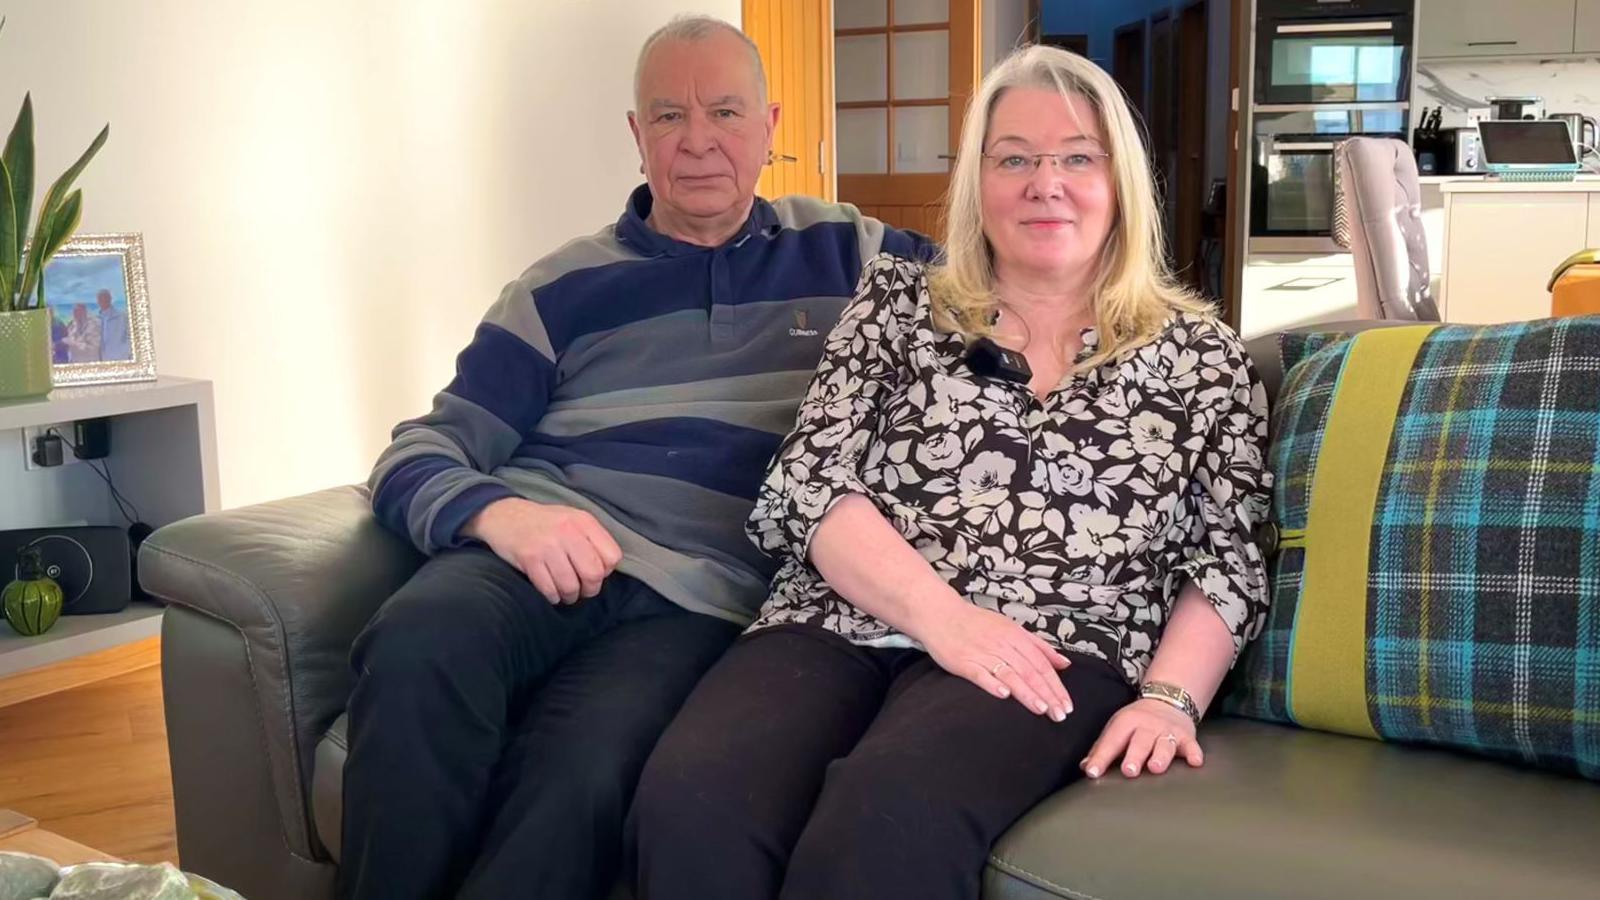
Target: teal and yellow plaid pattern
x=1447 y=481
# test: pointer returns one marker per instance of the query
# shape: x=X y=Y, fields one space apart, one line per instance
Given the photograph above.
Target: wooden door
x=1233 y=238
x=1190 y=182
x=905 y=70
x=796 y=42
x=1163 y=121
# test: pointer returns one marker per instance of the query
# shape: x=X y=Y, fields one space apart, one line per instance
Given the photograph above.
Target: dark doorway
x=1077 y=43
x=1190 y=188
x=1162 y=120
x=1127 y=65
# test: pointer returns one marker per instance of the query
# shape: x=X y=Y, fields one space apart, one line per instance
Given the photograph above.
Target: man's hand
x=564 y=552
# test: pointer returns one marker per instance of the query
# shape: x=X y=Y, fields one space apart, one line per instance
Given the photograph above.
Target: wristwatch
x=1173 y=696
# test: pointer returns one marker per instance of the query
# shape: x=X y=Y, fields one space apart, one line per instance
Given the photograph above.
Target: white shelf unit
x=164 y=461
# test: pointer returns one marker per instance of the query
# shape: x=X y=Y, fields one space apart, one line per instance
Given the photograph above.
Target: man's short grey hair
x=697 y=28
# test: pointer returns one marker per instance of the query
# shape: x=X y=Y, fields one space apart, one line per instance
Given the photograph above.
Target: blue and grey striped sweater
x=647 y=381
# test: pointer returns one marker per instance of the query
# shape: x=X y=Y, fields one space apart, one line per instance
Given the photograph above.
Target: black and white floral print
x=1080 y=516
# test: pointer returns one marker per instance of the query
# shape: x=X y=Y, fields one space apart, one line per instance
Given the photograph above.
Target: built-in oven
x=1293 y=182
x=1333 y=51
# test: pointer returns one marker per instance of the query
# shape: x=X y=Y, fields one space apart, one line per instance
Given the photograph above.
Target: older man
x=581 y=487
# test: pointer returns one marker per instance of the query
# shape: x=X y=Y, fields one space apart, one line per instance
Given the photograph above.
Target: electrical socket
x=31 y=435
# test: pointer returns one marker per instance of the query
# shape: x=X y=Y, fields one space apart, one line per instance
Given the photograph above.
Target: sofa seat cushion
x=1282 y=812
x=327 y=784
x=1275 y=812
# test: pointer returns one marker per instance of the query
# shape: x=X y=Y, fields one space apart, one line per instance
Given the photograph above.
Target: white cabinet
x=1495 y=27
x=1587 y=27
x=1501 y=245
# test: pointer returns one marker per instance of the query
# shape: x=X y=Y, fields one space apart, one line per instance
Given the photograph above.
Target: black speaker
x=93 y=564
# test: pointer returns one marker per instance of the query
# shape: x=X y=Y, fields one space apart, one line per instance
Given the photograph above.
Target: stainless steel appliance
x=1460 y=151
x=1515 y=107
x=1585 y=131
x=1333 y=51
x=1292 y=174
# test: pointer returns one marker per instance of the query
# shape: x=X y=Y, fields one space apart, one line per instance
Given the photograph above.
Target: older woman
x=1015 y=523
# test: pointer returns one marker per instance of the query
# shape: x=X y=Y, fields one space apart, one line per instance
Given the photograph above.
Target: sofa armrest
x=296 y=580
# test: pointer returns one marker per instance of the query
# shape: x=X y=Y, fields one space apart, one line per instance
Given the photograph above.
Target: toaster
x=1460 y=152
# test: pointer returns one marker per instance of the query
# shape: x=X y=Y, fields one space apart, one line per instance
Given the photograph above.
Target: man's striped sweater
x=646 y=381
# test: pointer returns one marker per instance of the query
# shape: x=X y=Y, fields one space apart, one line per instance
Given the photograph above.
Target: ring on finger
x=995 y=669
x=1169 y=736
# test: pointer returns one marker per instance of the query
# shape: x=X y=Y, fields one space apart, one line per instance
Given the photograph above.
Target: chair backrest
x=1380 y=219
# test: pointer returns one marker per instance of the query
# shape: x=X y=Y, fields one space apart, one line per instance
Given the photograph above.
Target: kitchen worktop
x=1585 y=184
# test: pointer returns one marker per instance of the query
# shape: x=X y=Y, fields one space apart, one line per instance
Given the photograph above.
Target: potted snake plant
x=24 y=318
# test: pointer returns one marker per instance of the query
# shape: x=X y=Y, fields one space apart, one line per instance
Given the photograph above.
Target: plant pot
x=24 y=355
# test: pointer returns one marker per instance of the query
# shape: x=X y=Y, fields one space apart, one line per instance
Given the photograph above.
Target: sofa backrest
x=1265 y=352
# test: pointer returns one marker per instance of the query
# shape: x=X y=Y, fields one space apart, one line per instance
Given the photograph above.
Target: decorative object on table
x=23 y=875
x=26 y=875
x=25 y=327
x=33 y=601
x=97 y=880
x=99 y=311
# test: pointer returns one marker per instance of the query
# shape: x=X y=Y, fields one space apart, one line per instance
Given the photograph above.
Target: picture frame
x=99 y=306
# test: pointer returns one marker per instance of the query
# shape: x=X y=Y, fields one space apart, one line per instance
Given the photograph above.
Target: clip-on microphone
x=986 y=358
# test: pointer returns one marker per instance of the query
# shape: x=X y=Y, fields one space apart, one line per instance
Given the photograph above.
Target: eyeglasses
x=1073 y=163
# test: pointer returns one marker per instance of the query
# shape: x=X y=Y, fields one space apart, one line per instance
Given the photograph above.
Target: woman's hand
x=1147 y=734
x=998 y=655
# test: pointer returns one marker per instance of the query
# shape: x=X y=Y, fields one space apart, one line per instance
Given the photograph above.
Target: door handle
x=1336 y=27
x=781 y=157
x=1491 y=43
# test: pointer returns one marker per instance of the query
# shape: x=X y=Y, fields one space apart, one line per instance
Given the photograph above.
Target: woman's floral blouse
x=1080 y=516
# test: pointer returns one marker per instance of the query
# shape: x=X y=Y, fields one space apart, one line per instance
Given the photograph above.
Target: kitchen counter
x=1585 y=184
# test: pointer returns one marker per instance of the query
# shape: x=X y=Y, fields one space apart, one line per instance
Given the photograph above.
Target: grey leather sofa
x=266 y=600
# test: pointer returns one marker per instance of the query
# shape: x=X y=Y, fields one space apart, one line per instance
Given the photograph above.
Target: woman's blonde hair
x=1133 y=292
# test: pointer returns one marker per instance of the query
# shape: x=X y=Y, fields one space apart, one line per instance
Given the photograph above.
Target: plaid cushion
x=1482 y=602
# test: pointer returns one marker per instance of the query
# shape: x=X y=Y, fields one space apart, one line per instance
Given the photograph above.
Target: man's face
x=702 y=130
x=104 y=299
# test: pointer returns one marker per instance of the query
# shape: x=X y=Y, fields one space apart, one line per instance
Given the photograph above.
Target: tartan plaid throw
x=1445 y=482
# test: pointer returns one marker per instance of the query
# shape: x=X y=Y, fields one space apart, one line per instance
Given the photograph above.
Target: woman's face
x=1050 y=220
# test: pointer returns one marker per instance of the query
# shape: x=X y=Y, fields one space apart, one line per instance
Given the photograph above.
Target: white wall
x=331 y=193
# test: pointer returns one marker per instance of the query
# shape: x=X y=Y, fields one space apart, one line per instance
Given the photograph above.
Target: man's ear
x=638 y=142
x=774 y=111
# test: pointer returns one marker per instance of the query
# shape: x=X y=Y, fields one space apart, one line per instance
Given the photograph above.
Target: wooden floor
x=90 y=763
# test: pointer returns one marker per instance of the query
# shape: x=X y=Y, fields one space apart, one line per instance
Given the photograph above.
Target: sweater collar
x=633 y=228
